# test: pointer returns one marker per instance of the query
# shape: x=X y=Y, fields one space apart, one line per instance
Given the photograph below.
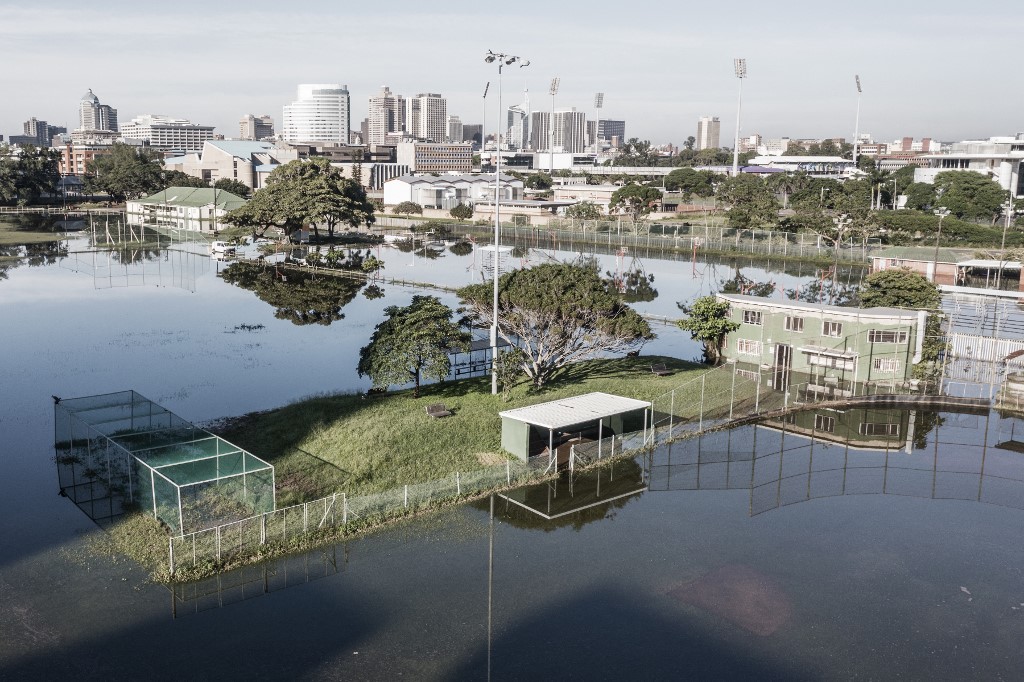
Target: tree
x=903 y=288
x=296 y=295
x=407 y=207
x=636 y=152
x=239 y=189
x=969 y=195
x=585 y=210
x=920 y=196
x=175 y=178
x=125 y=172
x=558 y=314
x=538 y=181
x=635 y=201
x=751 y=203
x=27 y=175
x=413 y=342
x=461 y=212
x=708 y=322
x=690 y=142
x=692 y=182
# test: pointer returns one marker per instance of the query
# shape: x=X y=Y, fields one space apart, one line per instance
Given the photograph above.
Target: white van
x=222 y=247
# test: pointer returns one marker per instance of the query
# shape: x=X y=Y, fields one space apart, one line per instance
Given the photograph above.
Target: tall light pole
x=942 y=213
x=483 y=124
x=502 y=60
x=553 y=90
x=740 y=66
x=856 y=123
x=1008 y=209
x=598 y=103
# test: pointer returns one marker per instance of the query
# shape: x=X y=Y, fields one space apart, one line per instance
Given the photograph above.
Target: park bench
x=438 y=410
x=661 y=370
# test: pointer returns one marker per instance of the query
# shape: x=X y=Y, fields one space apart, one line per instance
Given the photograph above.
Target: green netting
x=128 y=450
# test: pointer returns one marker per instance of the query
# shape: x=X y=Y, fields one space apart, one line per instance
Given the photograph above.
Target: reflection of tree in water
x=741 y=284
x=825 y=289
x=33 y=222
x=628 y=477
x=10 y=258
x=372 y=291
x=461 y=248
x=925 y=423
x=633 y=285
x=129 y=254
x=45 y=253
x=298 y=296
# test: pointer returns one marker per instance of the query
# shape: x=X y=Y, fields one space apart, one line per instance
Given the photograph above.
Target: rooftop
x=560 y=414
x=195 y=197
x=834 y=310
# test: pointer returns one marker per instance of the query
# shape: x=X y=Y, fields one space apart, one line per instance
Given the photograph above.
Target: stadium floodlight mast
x=740 y=66
x=856 y=123
x=483 y=123
x=503 y=60
x=598 y=103
x=553 y=90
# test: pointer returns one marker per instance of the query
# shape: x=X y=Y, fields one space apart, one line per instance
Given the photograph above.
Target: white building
x=773 y=146
x=570 y=128
x=455 y=129
x=167 y=133
x=708 y=132
x=256 y=127
x=518 y=131
x=997 y=157
x=249 y=162
x=430 y=157
x=320 y=114
x=427 y=117
x=200 y=209
x=815 y=166
x=450 y=190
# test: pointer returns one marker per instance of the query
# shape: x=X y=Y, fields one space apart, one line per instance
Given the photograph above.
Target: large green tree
x=690 y=182
x=969 y=195
x=708 y=321
x=239 y=189
x=635 y=201
x=585 y=210
x=27 y=173
x=176 y=178
x=413 y=342
x=903 y=288
x=125 y=172
x=558 y=314
x=637 y=152
x=751 y=203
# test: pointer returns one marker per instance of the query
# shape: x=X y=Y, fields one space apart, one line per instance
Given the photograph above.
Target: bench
x=661 y=370
x=438 y=410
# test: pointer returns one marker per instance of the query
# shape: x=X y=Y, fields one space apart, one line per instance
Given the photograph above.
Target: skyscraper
x=320 y=114
x=570 y=128
x=708 y=128
x=427 y=117
x=455 y=131
x=386 y=116
x=518 y=136
x=540 y=130
x=95 y=116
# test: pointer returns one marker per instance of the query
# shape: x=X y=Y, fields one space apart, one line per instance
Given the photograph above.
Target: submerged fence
x=334 y=514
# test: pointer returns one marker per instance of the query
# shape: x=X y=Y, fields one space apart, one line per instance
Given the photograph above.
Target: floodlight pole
x=740 y=66
x=483 y=124
x=1008 y=207
x=553 y=90
x=856 y=123
x=942 y=213
x=503 y=60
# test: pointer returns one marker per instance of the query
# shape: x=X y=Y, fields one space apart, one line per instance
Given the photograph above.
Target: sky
x=929 y=68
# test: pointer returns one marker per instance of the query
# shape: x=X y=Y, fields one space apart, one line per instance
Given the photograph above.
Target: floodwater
x=765 y=552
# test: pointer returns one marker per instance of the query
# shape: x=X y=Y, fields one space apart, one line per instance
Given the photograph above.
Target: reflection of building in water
x=120 y=254
x=199 y=209
x=944 y=455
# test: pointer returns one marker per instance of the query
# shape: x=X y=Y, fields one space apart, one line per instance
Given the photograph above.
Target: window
x=751 y=317
x=881 y=336
x=879 y=429
x=823 y=423
x=830 y=362
x=748 y=347
x=834 y=329
x=794 y=324
x=886 y=364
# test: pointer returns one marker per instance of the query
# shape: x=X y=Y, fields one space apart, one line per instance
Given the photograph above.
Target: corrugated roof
x=195 y=196
x=833 y=310
x=988 y=263
x=559 y=414
x=243 y=149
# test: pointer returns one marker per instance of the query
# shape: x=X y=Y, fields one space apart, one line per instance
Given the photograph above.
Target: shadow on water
x=299 y=296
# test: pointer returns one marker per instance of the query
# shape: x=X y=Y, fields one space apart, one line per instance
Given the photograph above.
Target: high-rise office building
x=708 y=130
x=256 y=127
x=455 y=129
x=95 y=116
x=518 y=131
x=570 y=128
x=472 y=132
x=540 y=130
x=386 y=116
x=427 y=117
x=320 y=114
x=38 y=133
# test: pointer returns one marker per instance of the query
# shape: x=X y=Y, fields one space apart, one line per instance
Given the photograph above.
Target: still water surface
x=772 y=567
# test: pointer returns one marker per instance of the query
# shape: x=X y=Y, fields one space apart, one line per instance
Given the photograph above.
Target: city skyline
x=658 y=76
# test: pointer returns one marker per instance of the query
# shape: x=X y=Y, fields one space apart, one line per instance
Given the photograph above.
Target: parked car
x=222 y=248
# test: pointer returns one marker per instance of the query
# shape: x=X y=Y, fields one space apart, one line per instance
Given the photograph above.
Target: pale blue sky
x=941 y=69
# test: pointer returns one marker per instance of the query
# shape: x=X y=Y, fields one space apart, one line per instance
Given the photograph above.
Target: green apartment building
x=834 y=350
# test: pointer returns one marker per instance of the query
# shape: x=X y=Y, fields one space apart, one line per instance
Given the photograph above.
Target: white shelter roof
x=566 y=412
x=989 y=264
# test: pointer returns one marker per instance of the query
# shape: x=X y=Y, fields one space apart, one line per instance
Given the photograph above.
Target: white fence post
x=170 y=553
x=703 y=380
x=508 y=472
x=458 y=484
x=407 y=496
x=263 y=529
x=344 y=509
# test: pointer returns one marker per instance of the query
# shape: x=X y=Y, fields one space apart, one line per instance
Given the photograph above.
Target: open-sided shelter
x=540 y=429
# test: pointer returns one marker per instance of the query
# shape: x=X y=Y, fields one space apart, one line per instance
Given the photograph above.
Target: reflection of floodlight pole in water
x=490 y=582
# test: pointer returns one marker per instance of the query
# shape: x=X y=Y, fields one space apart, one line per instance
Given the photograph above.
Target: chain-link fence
x=333 y=515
